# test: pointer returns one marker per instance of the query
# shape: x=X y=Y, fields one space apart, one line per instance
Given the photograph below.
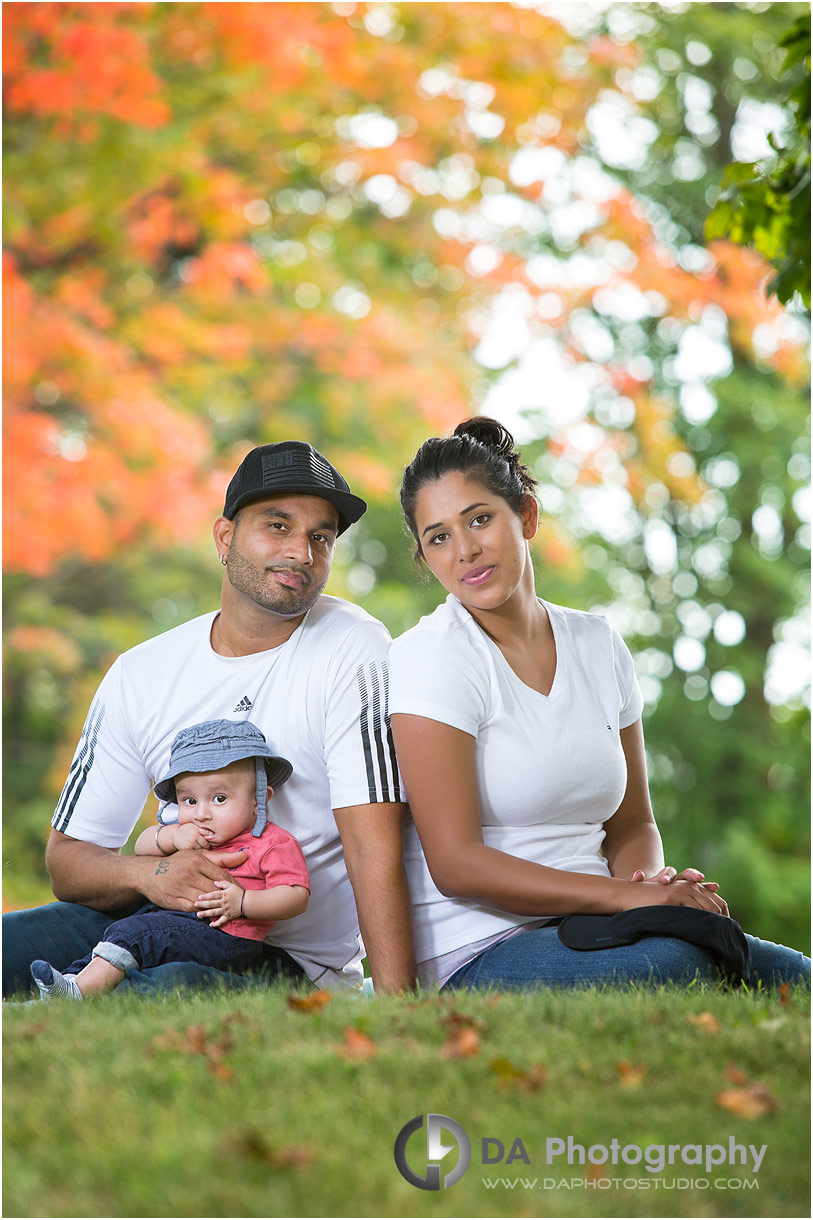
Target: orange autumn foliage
x=96 y=62
x=199 y=205
x=96 y=480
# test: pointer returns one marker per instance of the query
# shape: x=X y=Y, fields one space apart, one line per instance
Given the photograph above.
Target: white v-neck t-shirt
x=550 y=768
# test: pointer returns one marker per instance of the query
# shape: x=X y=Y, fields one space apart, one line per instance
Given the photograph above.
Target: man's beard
x=254 y=583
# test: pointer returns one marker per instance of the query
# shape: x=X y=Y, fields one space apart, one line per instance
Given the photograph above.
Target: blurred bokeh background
x=227 y=224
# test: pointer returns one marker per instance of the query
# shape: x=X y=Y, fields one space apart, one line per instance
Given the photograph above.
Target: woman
x=517 y=726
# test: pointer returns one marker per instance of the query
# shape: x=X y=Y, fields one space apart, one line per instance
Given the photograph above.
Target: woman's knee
x=667 y=959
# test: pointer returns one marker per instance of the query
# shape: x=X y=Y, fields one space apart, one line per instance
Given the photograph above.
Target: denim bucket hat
x=214 y=744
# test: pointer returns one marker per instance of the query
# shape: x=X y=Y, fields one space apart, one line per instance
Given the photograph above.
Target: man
x=311 y=672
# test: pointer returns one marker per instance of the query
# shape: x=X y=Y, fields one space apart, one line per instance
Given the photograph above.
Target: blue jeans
x=63 y=932
x=538 y=958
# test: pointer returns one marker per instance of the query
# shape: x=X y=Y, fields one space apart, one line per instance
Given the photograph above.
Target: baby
x=221 y=775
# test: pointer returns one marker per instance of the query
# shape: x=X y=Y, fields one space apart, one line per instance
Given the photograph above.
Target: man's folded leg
x=59 y=933
x=175 y=975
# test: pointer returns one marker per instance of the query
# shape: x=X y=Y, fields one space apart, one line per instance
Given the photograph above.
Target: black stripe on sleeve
x=80 y=767
x=390 y=743
x=365 y=735
x=379 y=740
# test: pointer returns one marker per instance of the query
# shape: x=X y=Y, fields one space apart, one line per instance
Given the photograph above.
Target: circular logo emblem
x=435 y=1151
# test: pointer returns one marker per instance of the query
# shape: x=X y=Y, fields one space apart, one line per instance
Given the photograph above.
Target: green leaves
x=768 y=207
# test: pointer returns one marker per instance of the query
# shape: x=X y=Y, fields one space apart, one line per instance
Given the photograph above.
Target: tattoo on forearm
x=163 y=867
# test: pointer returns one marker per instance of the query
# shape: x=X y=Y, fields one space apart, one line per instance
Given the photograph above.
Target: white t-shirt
x=321 y=701
x=550 y=768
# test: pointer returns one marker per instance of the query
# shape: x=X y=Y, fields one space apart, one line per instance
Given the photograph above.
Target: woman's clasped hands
x=687 y=888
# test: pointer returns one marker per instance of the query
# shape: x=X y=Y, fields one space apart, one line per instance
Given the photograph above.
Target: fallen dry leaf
x=504 y=1070
x=32 y=1028
x=454 y=1021
x=220 y=1070
x=255 y=1146
x=464 y=1043
x=535 y=1079
x=314 y=1001
x=705 y=1021
x=751 y=1101
x=289 y=1158
x=630 y=1075
x=357 y=1046
x=462 y=1035
x=196 y=1040
x=508 y=1075
x=168 y=1041
x=735 y=1075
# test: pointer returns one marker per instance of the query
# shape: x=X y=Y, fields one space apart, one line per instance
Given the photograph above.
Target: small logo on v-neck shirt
x=244 y=705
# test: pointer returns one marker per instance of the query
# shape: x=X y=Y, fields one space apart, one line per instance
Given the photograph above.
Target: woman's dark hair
x=479 y=448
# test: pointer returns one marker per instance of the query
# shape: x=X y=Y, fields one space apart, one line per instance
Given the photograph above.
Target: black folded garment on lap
x=719 y=934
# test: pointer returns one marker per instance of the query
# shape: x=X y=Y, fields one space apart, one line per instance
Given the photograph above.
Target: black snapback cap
x=291 y=466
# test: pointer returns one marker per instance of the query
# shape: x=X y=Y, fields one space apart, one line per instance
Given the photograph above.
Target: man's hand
x=221 y=905
x=175 y=882
x=102 y=878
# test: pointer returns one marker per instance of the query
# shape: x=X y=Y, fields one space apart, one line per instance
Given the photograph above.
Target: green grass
x=239 y=1105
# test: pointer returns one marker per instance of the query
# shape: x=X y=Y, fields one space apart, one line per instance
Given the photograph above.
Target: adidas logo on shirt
x=244 y=705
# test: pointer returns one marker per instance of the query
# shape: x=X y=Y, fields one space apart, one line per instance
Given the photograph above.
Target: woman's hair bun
x=494 y=436
x=488 y=432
